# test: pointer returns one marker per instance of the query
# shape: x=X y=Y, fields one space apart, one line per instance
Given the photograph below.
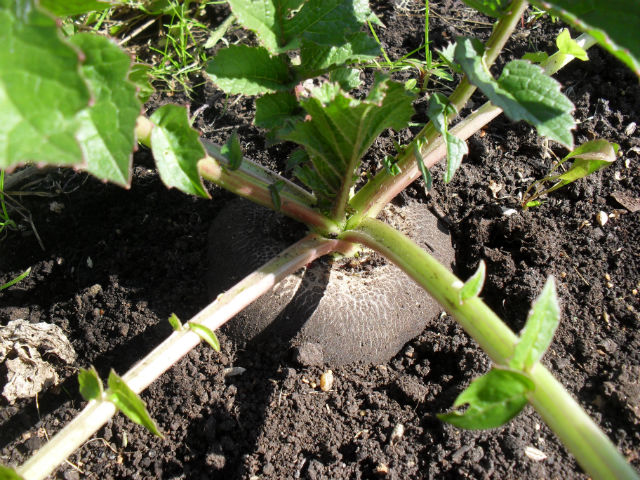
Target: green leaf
x=206 y=334
x=535 y=57
x=41 y=89
x=473 y=286
x=491 y=8
x=90 y=384
x=130 y=404
x=177 y=149
x=232 y=151
x=438 y=110
x=494 y=399
x=139 y=76
x=587 y=158
x=68 y=8
x=328 y=22
x=106 y=129
x=276 y=110
x=613 y=23
x=315 y=58
x=537 y=334
x=568 y=46
x=523 y=91
x=7 y=473
x=347 y=78
x=15 y=280
x=426 y=174
x=249 y=71
x=340 y=130
x=175 y=323
x=266 y=18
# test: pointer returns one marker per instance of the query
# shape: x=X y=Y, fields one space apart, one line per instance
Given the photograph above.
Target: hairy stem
x=141 y=375
x=582 y=437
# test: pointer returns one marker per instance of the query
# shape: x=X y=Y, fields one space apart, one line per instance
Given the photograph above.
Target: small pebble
x=326 y=381
x=397 y=433
x=602 y=218
x=534 y=454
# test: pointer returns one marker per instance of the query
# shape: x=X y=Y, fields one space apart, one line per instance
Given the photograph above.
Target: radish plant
x=78 y=107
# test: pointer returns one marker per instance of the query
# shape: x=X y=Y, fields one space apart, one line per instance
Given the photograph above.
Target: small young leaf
x=8 y=473
x=249 y=71
x=176 y=149
x=535 y=57
x=206 y=334
x=274 y=190
x=588 y=158
x=494 y=399
x=130 y=404
x=139 y=76
x=90 y=384
x=568 y=46
x=15 y=280
x=232 y=151
x=391 y=166
x=41 y=89
x=106 y=129
x=438 y=110
x=539 y=329
x=426 y=174
x=523 y=91
x=614 y=24
x=491 y=8
x=473 y=286
x=175 y=322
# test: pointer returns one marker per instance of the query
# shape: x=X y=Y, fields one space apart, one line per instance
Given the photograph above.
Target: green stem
x=142 y=374
x=582 y=437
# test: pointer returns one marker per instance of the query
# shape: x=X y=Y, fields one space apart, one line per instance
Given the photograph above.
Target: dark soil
x=145 y=248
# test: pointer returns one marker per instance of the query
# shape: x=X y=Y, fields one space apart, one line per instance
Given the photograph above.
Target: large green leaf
x=523 y=91
x=249 y=71
x=106 y=129
x=266 y=18
x=73 y=7
x=613 y=23
x=41 y=89
x=177 y=149
x=493 y=399
x=539 y=329
x=339 y=130
x=315 y=58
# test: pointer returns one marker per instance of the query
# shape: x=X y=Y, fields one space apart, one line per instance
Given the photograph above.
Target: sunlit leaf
x=537 y=334
x=588 y=158
x=493 y=400
x=473 y=286
x=206 y=334
x=523 y=91
x=232 y=151
x=569 y=46
x=175 y=323
x=7 y=473
x=90 y=384
x=177 y=149
x=130 y=404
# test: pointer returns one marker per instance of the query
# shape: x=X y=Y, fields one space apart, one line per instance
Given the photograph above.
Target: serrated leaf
x=339 y=132
x=232 y=151
x=249 y=71
x=139 y=76
x=473 y=286
x=492 y=8
x=130 y=404
x=523 y=91
x=568 y=46
x=206 y=334
x=7 y=473
x=315 y=58
x=106 y=129
x=347 y=78
x=537 y=334
x=177 y=149
x=438 y=110
x=275 y=110
x=328 y=22
x=73 y=7
x=175 y=323
x=41 y=89
x=494 y=399
x=613 y=23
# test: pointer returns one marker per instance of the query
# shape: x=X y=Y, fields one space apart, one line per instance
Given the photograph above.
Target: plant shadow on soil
x=148 y=249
